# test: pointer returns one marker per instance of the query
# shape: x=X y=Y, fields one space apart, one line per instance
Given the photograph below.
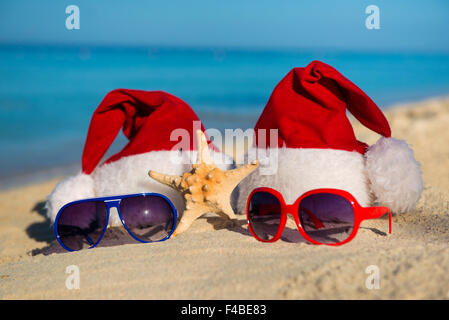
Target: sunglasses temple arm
x=377 y=212
x=389 y=219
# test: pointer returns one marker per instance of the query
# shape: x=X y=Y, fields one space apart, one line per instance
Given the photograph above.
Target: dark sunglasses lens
x=148 y=218
x=326 y=217
x=264 y=214
x=81 y=225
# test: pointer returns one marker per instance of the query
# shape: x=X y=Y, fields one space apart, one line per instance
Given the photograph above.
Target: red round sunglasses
x=322 y=216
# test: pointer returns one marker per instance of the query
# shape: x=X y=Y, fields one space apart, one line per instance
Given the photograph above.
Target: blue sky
x=406 y=26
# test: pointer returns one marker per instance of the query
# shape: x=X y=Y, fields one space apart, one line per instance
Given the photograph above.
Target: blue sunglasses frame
x=114 y=202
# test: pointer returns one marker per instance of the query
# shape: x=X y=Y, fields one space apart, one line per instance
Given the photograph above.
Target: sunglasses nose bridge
x=112 y=215
x=112 y=204
x=289 y=209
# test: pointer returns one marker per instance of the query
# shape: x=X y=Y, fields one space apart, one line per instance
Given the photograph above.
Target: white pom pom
x=394 y=174
x=70 y=189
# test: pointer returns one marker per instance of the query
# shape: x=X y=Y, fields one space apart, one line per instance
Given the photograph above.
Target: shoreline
x=40 y=176
x=211 y=261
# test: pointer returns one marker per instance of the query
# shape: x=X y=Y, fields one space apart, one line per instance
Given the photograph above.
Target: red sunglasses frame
x=360 y=213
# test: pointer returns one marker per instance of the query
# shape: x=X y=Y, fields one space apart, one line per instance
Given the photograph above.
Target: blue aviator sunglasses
x=148 y=217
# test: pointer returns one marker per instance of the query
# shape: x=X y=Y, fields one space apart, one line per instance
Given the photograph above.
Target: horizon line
x=219 y=47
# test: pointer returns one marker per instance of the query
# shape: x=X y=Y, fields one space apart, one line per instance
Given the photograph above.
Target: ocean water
x=48 y=94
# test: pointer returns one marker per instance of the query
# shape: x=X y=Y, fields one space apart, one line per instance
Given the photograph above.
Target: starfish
x=206 y=188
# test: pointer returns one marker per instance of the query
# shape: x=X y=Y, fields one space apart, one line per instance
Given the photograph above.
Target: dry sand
x=212 y=262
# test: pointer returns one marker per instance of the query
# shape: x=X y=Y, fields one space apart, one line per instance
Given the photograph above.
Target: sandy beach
x=210 y=261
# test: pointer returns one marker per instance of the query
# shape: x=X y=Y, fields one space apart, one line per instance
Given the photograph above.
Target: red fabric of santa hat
x=317 y=147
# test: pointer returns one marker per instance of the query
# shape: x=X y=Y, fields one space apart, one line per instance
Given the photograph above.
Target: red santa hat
x=153 y=122
x=316 y=147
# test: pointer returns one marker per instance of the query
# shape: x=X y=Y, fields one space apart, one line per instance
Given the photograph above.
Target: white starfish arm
x=169 y=180
x=227 y=210
x=236 y=175
x=188 y=216
x=203 y=149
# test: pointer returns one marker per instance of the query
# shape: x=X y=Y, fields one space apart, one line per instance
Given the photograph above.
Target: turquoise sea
x=48 y=93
